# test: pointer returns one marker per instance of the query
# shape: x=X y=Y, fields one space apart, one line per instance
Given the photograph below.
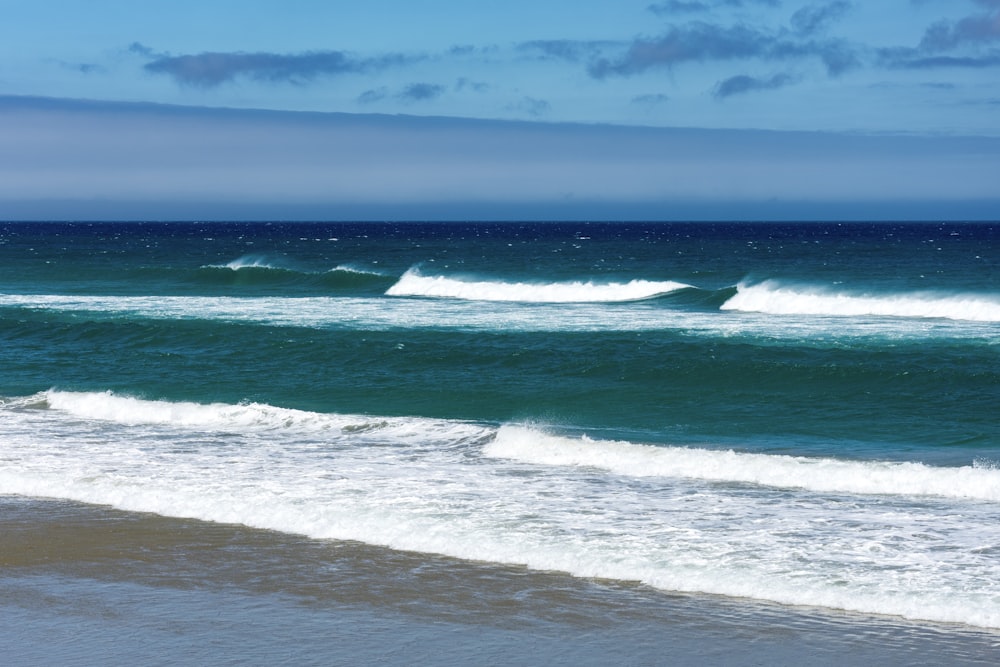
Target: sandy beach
x=86 y=585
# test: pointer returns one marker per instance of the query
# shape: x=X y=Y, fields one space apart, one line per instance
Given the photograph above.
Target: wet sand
x=86 y=585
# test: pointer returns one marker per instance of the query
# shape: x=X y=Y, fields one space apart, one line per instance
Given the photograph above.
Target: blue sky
x=656 y=108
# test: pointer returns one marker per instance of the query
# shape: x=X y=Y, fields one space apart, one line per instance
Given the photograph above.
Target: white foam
x=246 y=262
x=423 y=485
x=379 y=313
x=822 y=475
x=244 y=417
x=772 y=297
x=347 y=268
x=413 y=283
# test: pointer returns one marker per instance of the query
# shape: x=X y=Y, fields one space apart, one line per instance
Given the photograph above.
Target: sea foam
x=244 y=417
x=423 y=485
x=412 y=283
x=822 y=475
x=775 y=298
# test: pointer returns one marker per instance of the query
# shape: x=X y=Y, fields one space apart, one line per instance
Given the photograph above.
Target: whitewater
x=799 y=415
x=469 y=490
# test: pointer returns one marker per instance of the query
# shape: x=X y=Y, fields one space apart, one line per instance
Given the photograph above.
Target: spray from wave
x=412 y=283
x=774 y=298
x=821 y=475
x=424 y=485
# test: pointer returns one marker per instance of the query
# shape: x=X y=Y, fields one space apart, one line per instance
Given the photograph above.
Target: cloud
x=531 y=106
x=700 y=41
x=373 y=95
x=678 y=7
x=476 y=86
x=650 y=99
x=945 y=35
x=910 y=59
x=816 y=18
x=82 y=68
x=696 y=42
x=668 y=7
x=142 y=50
x=420 y=92
x=567 y=49
x=210 y=69
x=737 y=85
x=950 y=44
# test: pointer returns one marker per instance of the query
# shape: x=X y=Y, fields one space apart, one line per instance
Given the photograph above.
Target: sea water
x=797 y=414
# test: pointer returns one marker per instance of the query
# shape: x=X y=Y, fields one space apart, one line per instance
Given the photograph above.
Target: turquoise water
x=804 y=414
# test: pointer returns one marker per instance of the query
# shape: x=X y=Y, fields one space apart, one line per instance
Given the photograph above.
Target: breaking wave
x=412 y=283
x=514 y=494
x=774 y=298
x=822 y=475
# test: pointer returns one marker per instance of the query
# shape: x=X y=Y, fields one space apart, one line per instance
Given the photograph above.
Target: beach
x=509 y=443
x=85 y=585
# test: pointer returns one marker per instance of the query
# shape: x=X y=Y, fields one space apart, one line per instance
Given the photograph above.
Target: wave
x=248 y=262
x=239 y=418
x=822 y=475
x=422 y=484
x=364 y=307
x=412 y=283
x=774 y=298
x=346 y=276
x=259 y=271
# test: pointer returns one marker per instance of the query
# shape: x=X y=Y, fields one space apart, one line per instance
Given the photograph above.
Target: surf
x=413 y=283
x=440 y=486
x=776 y=298
x=818 y=475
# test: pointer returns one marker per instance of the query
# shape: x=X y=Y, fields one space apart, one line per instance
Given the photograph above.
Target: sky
x=426 y=109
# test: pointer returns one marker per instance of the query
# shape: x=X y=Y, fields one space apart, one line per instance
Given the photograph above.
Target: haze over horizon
x=706 y=109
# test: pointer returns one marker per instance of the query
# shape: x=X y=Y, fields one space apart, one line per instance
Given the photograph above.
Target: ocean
x=500 y=443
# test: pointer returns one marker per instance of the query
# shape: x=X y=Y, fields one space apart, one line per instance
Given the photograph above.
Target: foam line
x=772 y=297
x=413 y=283
x=795 y=472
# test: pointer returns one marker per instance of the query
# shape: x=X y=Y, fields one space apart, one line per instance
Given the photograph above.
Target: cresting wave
x=535 y=445
x=423 y=485
x=412 y=283
x=792 y=472
x=776 y=299
x=261 y=262
x=241 y=417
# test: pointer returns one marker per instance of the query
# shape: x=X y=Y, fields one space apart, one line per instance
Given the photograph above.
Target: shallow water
x=795 y=414
x=90 y=585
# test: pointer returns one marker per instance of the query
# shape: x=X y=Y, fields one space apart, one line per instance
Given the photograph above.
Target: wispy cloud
x=742 y=83
x=463 y=84
x=650 y=99
x=82 y=68
x=700 y=42
x=817 y=18
x=670 y=7
x=567 y=49
x=912 y=59
x=210 y=69
x=420 y=92
x=531 y=106
x=970 y=42
x=946 y=35
x=373 y=95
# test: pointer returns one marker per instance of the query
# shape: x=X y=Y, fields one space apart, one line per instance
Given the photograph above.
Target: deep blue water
x=582 y=397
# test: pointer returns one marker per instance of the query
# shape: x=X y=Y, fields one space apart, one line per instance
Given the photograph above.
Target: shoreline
x=85 y=584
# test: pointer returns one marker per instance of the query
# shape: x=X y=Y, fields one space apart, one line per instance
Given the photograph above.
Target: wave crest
x=242 y=417
x=773 y=298
x=780 y=471
x=412 y=283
